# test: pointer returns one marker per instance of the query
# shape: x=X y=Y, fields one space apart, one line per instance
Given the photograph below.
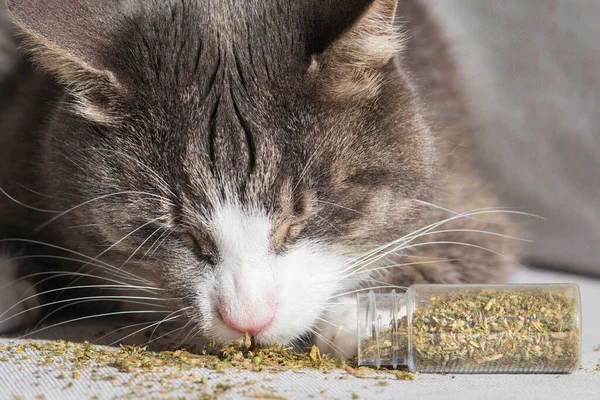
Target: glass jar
x=472 y=328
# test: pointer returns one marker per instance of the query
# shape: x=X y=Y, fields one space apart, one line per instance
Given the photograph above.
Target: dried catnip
x=473 y=328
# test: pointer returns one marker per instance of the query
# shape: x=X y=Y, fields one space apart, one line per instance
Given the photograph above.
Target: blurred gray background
x=532 y=70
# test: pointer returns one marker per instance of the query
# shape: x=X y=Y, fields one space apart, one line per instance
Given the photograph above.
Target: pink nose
x=243 y=321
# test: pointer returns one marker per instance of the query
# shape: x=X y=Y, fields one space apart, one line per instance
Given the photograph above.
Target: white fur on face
x=252 y=282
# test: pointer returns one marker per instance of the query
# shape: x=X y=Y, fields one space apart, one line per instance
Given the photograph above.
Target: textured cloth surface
x=531 y=70
x=29 y=380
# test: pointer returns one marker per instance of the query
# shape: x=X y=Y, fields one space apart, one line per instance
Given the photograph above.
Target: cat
x=247 y=166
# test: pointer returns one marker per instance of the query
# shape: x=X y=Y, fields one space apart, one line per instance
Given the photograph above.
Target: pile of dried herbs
x=202 y=374
x=517 y=330
x=241 y=356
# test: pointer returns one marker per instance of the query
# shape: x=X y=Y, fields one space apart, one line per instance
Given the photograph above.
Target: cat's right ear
x=68 y=38
x=350 y=66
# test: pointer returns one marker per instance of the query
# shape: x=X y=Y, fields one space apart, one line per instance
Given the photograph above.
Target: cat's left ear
x=352 y=62
x=69 y=38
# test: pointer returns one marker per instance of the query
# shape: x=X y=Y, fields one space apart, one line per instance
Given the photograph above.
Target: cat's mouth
x=260 y=332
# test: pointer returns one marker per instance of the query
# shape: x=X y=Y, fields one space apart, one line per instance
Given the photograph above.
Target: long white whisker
x=320 y=335
x=133 y=277
x=414 y=235
x=149 y=323
x=112 y=287
x=164 y=185
x=61 y=273
x=365 y=289
x=89 y=317
x=340 y=206
x=119 y=270
x=157 y=326
x=62 y=214
x=140 y=246
x=143 y=329
x=165 y=234
x=26 y=205
x=480 y=209
x=77 y=301
x=404 y=265
x=404 y=247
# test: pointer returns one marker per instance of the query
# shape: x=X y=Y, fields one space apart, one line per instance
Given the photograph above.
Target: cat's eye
x=190 y=240
x=289 y=235
x=201 y=248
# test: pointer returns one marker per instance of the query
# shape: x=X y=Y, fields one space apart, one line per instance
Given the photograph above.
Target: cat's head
x=240 y=154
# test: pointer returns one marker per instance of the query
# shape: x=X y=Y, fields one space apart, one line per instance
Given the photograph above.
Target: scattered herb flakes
x=383 y=383
x=404 y=376
x=359 y=372
x=355 y=396
x=262 y=395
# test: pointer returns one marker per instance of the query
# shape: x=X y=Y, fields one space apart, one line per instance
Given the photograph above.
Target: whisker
x=158 y=241
x=34 y=192
x=143 y=329
x=190 y=334
x=112 y=287
x=61 y=273
x=327 y=322
x=166 y=334
x=62 y=214
x=178 y=311
x=134 y=277
x=405 y=265
x=479 y=209
x=101 y=338
x=403 y=247
x=340 y=206
x=110 y=314
x=72 y=303
x=160 y=180
x=320 y=335
x=26 y=205
x=140 y=246
x=330 y=224
x=309 y=163
x=119 y=270
x=414 y=235
x=366 y=289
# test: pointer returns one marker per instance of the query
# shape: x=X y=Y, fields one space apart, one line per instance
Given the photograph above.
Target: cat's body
x=239 y=157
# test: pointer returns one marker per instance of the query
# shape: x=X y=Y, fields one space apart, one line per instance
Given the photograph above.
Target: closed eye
x=201 y=250
x=290 y=235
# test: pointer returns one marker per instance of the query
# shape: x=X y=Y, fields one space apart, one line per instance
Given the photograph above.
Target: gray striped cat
x=235 y=166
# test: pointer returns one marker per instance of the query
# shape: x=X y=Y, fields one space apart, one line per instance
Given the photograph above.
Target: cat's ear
x=68 y=38
x=352 y=62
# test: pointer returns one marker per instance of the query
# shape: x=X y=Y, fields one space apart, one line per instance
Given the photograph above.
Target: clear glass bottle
x=472 y=328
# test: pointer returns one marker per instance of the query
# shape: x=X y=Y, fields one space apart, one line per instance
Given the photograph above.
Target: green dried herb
x=480 y=330
x=508 y=329
x=404 y=376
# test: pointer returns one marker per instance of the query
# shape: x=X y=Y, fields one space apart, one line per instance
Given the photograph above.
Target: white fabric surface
x=583 y=384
